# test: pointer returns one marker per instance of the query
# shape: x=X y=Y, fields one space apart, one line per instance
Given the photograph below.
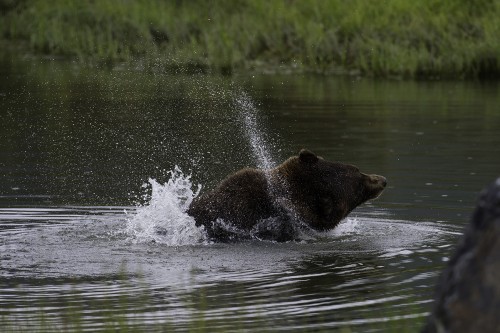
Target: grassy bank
x=432 y=38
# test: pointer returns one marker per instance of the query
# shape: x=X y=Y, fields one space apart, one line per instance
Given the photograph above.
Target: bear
x=305 y=192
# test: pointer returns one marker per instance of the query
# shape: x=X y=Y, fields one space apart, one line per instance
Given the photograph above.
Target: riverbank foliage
x=430 y=39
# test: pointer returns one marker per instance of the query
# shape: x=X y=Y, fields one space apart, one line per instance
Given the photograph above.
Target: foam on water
x=349 y=226
x=163 y=219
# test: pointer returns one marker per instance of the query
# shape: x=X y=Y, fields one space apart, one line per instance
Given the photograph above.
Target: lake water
x=85 y=155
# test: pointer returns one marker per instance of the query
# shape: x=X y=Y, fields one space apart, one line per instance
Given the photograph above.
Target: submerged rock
x=468 y=292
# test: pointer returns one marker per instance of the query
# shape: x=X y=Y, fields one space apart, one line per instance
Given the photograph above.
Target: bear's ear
x=307 y=156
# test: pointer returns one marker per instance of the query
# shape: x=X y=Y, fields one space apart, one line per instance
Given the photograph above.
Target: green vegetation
x=432 y=38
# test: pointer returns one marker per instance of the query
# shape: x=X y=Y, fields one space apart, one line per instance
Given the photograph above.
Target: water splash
x=258 y=143
x=348 y=226
x=163 y=219
x=278 y=189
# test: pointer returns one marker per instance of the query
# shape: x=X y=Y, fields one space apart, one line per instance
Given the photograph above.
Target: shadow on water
x=76 y=146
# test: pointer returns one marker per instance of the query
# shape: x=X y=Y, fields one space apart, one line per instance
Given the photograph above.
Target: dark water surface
x=77 y=145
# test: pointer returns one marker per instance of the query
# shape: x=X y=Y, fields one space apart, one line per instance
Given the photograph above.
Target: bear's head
x=323 y=193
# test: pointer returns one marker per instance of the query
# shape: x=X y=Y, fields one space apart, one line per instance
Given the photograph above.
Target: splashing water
x=259 y=146
x=348 y=226
x=163 y=219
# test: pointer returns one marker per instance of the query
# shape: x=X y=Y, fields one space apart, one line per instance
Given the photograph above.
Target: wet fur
x=266 y=203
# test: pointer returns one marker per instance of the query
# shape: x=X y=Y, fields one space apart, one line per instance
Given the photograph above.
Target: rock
x=468 y=292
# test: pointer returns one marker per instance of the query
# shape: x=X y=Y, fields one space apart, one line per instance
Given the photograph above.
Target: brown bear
x=304 y=192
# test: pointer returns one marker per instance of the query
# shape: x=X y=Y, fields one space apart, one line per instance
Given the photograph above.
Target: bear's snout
x=380 y=180
x=375 y=185
x=376 y=180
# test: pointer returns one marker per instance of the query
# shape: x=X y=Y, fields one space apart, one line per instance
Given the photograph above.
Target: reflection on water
x=76 y=146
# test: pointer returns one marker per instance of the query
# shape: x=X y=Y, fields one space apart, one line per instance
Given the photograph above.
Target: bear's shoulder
x=247 y=177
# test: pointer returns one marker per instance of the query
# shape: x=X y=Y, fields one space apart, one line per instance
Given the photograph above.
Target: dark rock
x=468 y=292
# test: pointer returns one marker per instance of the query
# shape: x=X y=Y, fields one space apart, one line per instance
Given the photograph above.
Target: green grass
x=431 y=38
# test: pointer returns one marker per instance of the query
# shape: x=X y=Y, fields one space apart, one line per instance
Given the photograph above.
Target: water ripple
x=62 y=260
